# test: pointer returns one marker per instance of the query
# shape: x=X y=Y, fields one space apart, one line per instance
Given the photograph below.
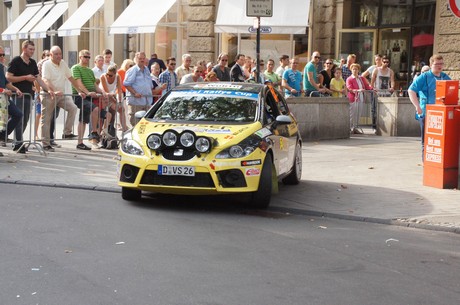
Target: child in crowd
x=338 y=84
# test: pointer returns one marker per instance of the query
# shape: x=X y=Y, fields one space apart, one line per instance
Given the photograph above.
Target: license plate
x=174 y=170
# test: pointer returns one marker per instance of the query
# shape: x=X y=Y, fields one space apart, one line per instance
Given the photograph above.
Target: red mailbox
x=442 y=138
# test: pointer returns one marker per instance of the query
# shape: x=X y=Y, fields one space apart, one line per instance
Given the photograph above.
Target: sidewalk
x=366 y=177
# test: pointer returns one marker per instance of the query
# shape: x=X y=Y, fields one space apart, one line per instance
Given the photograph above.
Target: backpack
x=109 y=142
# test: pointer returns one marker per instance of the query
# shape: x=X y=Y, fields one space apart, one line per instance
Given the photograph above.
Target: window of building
x=404 y=32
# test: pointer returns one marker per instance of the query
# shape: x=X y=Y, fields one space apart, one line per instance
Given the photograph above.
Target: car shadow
x=309 y=197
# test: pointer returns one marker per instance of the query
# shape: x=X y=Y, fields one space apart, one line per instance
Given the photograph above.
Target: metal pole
x=258 y=51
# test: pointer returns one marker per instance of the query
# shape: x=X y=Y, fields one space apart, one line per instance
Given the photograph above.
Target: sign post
x=258 y=8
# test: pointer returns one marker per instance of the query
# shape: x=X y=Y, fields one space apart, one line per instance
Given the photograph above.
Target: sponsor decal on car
x=252 y=172
x=218 y=131
x=262 y=133
x=141 y=129
x=251 y=162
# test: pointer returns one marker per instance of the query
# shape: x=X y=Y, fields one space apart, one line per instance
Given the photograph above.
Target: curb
x=294 y=211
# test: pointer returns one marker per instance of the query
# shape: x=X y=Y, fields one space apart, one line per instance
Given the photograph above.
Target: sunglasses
x=87 y=57
x=172 y=64
x=2 y=55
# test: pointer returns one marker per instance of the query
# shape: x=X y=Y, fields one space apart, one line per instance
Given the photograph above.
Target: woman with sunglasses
x=111 y=83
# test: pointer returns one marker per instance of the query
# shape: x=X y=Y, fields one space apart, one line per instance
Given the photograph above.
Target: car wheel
x=261 y=198
x=296 y=173
x=130 y=194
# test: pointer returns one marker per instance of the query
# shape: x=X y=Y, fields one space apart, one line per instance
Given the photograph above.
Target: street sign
x=455 y=7
x=259 y=8
x=263 y=29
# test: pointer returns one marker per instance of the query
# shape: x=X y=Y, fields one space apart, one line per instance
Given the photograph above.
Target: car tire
x=296 y=174
x=260 y=199
x=131 y=194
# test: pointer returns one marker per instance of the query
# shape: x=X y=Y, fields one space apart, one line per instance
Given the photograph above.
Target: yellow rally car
x=212 y=138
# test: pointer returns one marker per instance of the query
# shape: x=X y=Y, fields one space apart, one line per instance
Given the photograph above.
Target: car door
x=280 y=132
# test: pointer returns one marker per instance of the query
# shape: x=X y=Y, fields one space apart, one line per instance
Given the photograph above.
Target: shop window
x=424 y=11
x=365 y=13
x=396 y=12
x=358 y=42
x=422 y=47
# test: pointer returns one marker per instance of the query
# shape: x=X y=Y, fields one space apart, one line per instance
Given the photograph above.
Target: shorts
x=86 y=107
x=99 y=102
x=38 y=108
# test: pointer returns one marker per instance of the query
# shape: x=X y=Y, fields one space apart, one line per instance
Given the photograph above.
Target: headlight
x=242 y=149
x=154 y=141
x=187 y=139
x=202 y=144
x=169 y=138
x=129 y=146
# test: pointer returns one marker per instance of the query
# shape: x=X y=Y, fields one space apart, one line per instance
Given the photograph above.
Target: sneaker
x=95 y=136
x=48 y=148
x=68 y=136
x=55 y=145
x=83 y=147
x=19 y=151
x=357 y=131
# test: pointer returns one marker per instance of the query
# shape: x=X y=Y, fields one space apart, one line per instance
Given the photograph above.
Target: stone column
x=322 y=27
x=200 y=30
x=446 y=42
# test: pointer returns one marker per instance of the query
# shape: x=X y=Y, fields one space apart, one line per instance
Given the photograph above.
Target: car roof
x=227 y=86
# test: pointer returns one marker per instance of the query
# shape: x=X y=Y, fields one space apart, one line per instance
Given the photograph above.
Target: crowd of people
x=108 y=96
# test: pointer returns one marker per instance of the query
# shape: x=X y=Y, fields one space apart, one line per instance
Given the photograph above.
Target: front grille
x=151 y=177
x=187 y=154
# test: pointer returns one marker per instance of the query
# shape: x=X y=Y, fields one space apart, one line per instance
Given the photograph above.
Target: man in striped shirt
x=88 y=91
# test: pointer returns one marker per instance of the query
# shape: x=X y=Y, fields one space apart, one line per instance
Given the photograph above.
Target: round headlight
x=187 y=139
x=169 y=138
x=154 y=141
x=236 y=151
x=202 y=145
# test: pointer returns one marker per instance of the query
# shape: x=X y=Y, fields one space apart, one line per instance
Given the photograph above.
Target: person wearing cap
x=154 y=58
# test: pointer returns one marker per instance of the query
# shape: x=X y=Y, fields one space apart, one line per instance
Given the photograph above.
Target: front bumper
x=212 y=176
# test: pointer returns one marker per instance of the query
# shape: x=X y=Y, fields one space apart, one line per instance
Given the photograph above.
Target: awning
x=11 y=32
x=39 y=31
x=24 y=32
x=289 y=17
x=73 y=25
x=138 y=18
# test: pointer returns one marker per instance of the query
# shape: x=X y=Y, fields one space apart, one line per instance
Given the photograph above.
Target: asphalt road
x=66 y=246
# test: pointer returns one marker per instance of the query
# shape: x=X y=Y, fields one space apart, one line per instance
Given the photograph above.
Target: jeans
x=22 y=103
x=15 y=118
x=421 y=121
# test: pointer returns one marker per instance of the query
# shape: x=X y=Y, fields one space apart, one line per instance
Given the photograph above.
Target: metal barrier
x=112 y=123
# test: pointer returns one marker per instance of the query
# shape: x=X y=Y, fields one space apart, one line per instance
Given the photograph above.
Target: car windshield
x=201 y=105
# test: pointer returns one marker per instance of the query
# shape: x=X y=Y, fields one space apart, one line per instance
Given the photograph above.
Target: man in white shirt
x=55 y=74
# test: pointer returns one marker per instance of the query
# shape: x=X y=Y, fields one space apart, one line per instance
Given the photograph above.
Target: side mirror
x=283 y=119
x=140 y=114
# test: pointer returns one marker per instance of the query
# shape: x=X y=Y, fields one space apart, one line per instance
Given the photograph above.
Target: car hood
x=224 y=134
